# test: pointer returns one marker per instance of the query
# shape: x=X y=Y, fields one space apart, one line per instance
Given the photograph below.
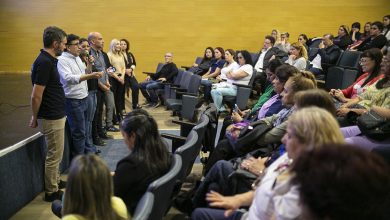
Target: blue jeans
x=91 y=108
x=218 y=94
x=214 y=214
x=76 y=110
x=148 y=89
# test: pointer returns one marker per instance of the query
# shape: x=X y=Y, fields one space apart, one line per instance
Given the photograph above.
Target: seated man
x=154 y=82
x=327 y=55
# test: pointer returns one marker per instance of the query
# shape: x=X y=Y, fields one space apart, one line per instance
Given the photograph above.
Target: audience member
x=284 y=45
x=117 y=77
x=73 y=79
x=89 y=192
x=149 y=158
x=48 y=107
x=343 y=40
x=298 y=56
x=274 y=196
x=386 y=27
x=268 y=53
x=303 y=39
x=370 y=62
x=215 y=70
x=155 y=81
x=130 y=80
x=241 y=75
x=338 y=182
x=205 y=64
x=276 y=35
x=327 y=55
x=376 y=39
x=363 y=36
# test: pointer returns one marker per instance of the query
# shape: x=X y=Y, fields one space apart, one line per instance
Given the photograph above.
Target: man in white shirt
x=73 y=79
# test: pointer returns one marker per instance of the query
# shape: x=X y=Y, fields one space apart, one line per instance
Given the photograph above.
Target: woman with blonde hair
x=117 y=76
x=274 y=196
x=298 y=56
x=89 y=192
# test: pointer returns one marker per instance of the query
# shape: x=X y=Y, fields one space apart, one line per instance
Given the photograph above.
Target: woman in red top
x=370 y=62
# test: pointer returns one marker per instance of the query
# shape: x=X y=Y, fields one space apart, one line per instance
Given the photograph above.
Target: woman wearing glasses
x=371 y=65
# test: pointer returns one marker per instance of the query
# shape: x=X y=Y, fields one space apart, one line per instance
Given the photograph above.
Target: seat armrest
x=173 y=137
x=186 y=67
x=148 y=73
x=186 y=93
x=180 y=122
x=240 y=85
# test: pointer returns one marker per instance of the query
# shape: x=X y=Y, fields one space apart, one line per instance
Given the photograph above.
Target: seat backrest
x=315 y=43
x=349 y=77
x=200 y=128
x=254 y=57
x=349 y=59
x=144 y=207
x=186 y=79
x=198 y=60
x=188 y=152
x=159 y=66
x=162 y=188
x=334 y=78
x=252 y=77
x=178 y=77
x=193 y=86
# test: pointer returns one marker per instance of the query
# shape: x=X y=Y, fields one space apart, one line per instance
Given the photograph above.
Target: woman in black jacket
x=130 y=80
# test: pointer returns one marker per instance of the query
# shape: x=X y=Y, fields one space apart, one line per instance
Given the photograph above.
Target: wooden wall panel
x=183 y=27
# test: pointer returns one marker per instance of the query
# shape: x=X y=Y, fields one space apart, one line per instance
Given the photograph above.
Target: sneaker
x=53 y=196
x=62 y=184
x=156 y=105
x=112 y=129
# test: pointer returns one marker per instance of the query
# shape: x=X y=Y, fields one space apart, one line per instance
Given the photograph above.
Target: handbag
x=374 y=126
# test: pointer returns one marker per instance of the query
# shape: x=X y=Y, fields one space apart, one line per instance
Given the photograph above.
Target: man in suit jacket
x=327 y=55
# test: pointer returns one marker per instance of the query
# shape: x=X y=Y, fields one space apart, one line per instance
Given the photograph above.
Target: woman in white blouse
x=241 y=75
x=298 y=56
x=117 y=76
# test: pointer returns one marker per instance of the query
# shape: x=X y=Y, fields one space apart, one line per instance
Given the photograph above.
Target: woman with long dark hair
x=343 y=40
x=130 y=80
x=149 y=158
x=205 y=64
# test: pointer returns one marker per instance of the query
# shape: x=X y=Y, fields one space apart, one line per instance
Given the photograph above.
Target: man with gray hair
x=154 y=81
x=327 y=54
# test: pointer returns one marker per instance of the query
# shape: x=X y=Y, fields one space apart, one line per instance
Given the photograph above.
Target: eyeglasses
x=240 y=57
x=373 y=28
x=73 y=44
x=364 y=60
x=168 y=56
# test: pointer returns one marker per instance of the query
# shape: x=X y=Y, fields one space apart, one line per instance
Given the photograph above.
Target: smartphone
x=235 y=108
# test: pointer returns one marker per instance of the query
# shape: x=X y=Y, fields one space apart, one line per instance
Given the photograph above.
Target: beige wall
x=184 y=27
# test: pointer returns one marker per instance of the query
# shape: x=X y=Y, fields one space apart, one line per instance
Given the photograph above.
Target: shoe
x=137 y=107
x=62 y=184
x=56 y=207
x=99 y=142
x=112 y=129
x=98 y=152
x=53 y=196
x=156 y=105
x=106 y=136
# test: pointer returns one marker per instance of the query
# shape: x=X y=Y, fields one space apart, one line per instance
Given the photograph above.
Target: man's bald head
x=96 y=41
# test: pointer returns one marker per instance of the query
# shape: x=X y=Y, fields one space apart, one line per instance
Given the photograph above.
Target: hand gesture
x=236 y=117
x=226 y=202
x=253 y=165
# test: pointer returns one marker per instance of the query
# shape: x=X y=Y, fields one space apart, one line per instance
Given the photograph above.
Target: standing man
x=48 y=107
x=154 y=82
x=73 y=79
x=101 y=63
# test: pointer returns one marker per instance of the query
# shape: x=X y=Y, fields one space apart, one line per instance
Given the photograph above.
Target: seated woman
x=298 y=56
x=242 y=75
x=219 y=178
x=370 y=62
x=381 y=105
x=266 y=131
x=230 y=65
x=274 y=196
x=363 y=36
x=283 y=44
x=343 y=40
x=89 y=193
x=303 y=39
x=149 y=158
x=205 y=64
x=376 y=39
x=270 y=107
x=366 y=172
x=215 y=69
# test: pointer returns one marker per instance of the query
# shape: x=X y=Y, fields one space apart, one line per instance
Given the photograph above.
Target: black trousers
x=132 y=83
x=118 y=90
x=98 y=117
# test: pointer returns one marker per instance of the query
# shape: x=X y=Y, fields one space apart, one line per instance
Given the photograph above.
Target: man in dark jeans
x=48 y=107
x=154 y=82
